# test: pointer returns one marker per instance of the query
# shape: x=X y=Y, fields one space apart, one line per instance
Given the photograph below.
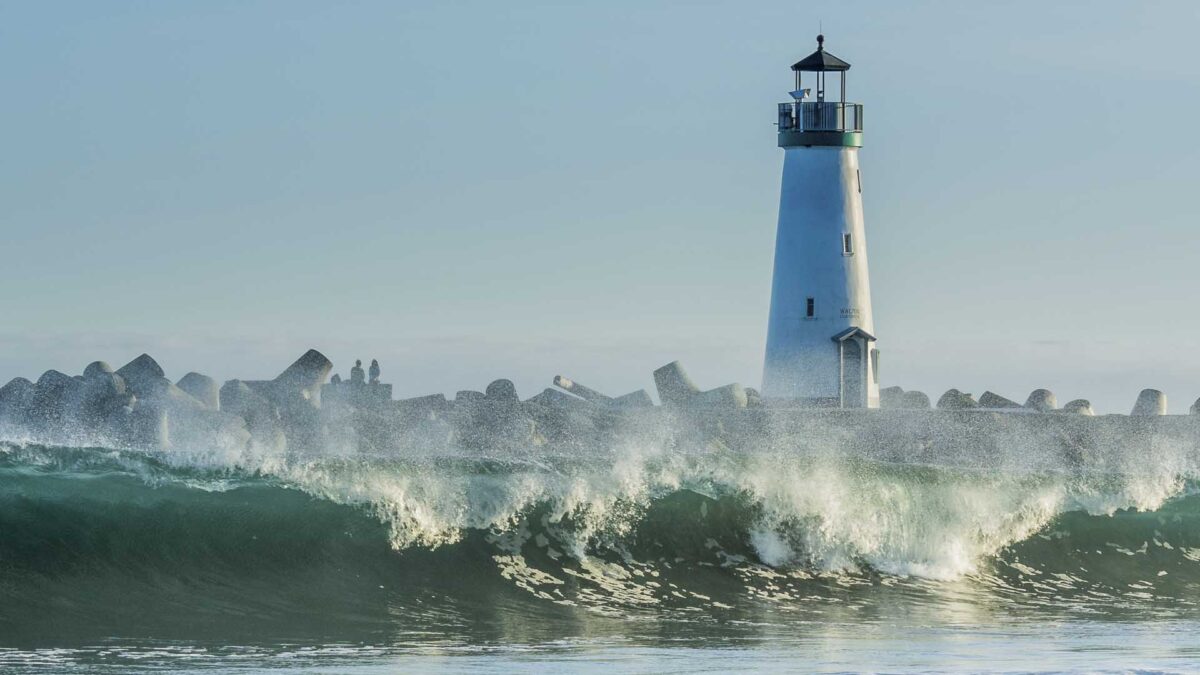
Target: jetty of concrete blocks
x=304 y=409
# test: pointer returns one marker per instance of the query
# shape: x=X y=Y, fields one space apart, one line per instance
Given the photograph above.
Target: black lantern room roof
x=820 y=60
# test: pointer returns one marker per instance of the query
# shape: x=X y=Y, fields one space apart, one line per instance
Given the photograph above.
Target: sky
x=475 y=190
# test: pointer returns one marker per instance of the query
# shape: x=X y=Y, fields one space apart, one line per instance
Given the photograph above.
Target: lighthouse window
x=810 y=308
x=858 y=173
x=847 y=244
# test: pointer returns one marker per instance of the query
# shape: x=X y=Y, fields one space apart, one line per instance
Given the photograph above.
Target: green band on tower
x=837 y=139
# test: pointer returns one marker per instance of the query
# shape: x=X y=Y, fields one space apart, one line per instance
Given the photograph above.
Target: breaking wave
x=182 y=542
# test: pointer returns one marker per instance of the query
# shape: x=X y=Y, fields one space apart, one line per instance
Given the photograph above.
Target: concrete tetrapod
x=101 y=401
x=143 y=365
x=96 y=368
x=753 y=398
x=202 y=388
x=52 y=392
x=554 y=398
x=891 y=398
x=585 y=393
x=676 y=389
x=634 y=399
x=956 y=400
x=1079 y=406
x=674 y=385
x=260 y=415
x=916 y=400
x=996 y=401
x=1151 y=402
x=1041 y=400
x=305 y=375
x=15 y=398
x=145 y=379
x=502 y=391
x=729 y=396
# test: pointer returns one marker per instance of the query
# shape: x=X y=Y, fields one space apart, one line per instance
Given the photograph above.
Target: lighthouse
x=821 y=348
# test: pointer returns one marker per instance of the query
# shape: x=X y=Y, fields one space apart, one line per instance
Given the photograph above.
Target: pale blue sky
x=471 y=190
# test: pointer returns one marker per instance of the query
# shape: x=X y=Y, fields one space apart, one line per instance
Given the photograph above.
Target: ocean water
x=646 y=556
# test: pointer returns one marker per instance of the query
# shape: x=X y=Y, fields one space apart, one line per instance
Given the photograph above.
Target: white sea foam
x=807 y=504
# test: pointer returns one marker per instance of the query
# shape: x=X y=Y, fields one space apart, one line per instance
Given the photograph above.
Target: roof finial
x=820 y=43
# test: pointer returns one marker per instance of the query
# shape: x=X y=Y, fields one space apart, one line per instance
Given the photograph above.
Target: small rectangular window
x=847 y=244
x=858 y=173
x=810 y=308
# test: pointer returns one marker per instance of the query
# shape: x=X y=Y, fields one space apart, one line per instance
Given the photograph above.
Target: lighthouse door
x=853 y=376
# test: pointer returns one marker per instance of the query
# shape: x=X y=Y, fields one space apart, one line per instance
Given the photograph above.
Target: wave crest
x=817 y=513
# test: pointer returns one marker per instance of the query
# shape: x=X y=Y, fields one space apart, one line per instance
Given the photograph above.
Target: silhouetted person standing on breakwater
x=357 y=376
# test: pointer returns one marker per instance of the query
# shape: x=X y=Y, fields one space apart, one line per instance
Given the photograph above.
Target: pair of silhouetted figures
x=358 y=376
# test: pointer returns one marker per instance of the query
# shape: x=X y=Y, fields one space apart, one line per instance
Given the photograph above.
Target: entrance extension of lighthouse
x=854 y=369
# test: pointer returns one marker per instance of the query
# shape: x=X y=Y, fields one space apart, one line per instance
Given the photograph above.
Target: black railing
x=820 y=116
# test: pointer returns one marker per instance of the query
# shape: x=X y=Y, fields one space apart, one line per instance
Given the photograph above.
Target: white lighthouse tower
x=821 y=335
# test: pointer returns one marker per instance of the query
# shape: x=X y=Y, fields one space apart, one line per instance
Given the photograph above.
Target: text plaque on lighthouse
x=821 y=347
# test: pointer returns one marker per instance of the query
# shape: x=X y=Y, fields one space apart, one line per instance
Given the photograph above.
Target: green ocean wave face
x=636 y=538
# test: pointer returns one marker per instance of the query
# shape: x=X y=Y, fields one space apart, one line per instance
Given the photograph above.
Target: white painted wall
x=820 y=200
